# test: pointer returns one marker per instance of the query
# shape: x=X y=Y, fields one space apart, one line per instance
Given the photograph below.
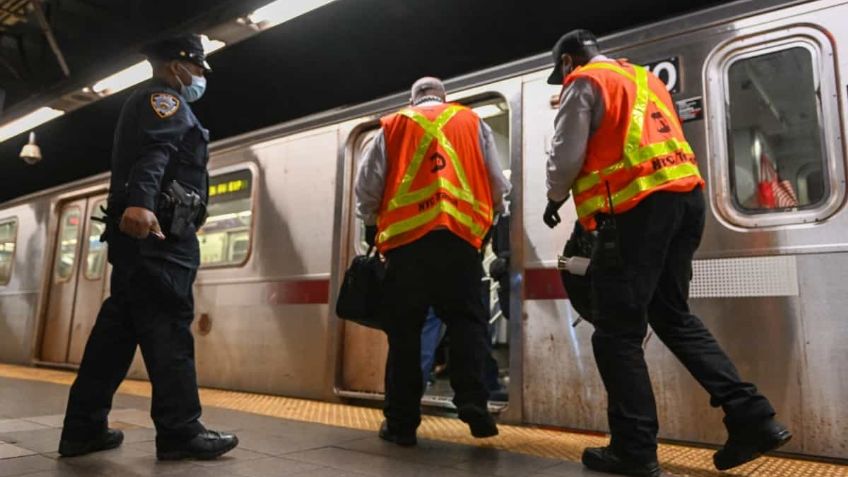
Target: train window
x=782 y=158
x=95 y=260
x=225 y=239
x=774 y=132
x=69 y=228
x=8 y=238
x=495 y=113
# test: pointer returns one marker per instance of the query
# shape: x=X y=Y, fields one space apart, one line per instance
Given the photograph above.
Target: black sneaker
x=404 y=439
x=746 y=445
x=479 y=420
x=110 y=439
x=204 y=446
x=603 y=459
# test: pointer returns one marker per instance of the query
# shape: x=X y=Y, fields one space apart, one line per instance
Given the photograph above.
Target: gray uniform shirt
x=581 y=110
x=371 y=177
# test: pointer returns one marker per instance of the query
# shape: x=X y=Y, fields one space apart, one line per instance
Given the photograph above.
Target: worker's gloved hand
x=499 y=268
x=551 y=216
x=370 y=235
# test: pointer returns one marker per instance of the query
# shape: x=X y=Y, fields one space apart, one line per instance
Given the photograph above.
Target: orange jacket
x=435 y=178
x=639 y=147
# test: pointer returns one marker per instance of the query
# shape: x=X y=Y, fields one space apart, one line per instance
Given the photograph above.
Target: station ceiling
x=347 y=52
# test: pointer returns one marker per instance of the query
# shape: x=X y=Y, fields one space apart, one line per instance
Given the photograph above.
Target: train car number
x=668 y=70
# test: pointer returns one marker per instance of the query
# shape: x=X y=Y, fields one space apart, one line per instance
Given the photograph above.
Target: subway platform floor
x=292 y=437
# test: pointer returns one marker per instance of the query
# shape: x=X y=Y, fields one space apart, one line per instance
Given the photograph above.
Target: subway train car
x=761 y=88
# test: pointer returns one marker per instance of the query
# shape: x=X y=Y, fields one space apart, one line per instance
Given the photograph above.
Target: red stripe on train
x=539 y=284
x=543 y=284
x=299 y=292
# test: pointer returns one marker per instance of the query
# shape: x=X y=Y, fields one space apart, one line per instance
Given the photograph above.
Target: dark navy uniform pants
x=151 y=306
x=444 y=271
x=658 y=240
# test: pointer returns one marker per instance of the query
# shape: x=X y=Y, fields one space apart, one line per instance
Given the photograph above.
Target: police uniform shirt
x=158 y=139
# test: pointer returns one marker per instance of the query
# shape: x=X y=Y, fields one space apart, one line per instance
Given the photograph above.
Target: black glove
x=499 y=268
x=551 y=216
x=370 y=235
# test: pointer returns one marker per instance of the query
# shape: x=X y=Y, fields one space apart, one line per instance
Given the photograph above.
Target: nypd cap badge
x=164 y=104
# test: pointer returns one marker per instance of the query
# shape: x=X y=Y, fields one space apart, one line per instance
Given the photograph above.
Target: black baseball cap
x=573 y=42
x=184 y=47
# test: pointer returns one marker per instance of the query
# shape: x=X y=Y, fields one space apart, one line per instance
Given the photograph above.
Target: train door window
x=69 y=229
x=8 y=238
x=778 y=164
x=225 y=238
x=95 y=260
x=495 y=114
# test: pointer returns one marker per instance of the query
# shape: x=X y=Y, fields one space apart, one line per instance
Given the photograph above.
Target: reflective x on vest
x=634 y=155
x=433 y=132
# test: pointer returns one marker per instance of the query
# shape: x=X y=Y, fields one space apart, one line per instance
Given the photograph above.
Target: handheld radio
x=609 y=251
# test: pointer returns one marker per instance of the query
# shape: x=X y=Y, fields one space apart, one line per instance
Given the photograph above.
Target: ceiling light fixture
x=123 y=79
x=28 y=122
x=282 y=11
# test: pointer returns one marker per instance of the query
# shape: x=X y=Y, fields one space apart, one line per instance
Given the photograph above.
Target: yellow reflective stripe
x=431 y=131
x=637 y=116
x=640 y=184
x=646 y=153
x=416 y=221
x=654 y=99
x=665 y=148
x=425 y=193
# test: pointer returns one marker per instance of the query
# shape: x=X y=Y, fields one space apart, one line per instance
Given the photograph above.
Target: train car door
x=363 y=353
x=78 y=281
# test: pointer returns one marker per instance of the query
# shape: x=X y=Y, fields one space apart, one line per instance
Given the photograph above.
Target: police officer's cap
x=185 y=47
x=573 y=42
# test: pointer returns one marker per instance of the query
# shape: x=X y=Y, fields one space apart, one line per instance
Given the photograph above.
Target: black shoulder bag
x=361 y=291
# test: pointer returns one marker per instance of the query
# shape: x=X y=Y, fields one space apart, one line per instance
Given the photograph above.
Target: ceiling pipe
x=36 y=7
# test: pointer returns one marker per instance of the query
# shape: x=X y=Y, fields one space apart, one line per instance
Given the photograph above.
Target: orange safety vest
x=435 y=178
x=639 y=147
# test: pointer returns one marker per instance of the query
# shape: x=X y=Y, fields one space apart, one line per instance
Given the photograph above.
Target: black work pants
x=443 y=271
x=658 y=239
x=150 y=306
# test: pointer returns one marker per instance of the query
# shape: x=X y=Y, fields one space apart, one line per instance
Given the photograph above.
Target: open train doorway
x=363 y=354
x=78 y=281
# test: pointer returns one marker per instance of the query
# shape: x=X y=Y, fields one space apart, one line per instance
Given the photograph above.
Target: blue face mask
x=195 y=90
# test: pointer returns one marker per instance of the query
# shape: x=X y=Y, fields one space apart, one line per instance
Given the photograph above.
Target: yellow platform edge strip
x=676 y=459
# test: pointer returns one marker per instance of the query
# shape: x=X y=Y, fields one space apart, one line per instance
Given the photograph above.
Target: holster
x=181 y=212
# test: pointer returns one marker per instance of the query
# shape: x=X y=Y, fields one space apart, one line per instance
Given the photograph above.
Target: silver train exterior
x=753 y=79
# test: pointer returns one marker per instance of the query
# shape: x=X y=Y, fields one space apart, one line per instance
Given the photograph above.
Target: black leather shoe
x=603 y=459
x=479 y=420
x=110 y=439
x=746 y=445
x=204 y=446
x=404 y=439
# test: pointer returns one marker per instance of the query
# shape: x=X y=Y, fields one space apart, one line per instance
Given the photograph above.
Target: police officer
x=156 y=202
x=619 y=147
x=427 y=190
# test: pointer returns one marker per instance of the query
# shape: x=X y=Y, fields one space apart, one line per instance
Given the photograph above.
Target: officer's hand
x=370 y=235
x=138 y=222
x=551 y=216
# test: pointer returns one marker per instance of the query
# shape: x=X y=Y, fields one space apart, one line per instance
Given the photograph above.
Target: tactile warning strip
x=676 y=459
